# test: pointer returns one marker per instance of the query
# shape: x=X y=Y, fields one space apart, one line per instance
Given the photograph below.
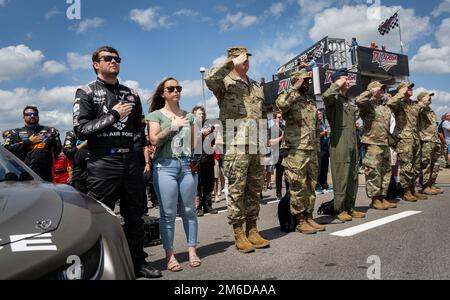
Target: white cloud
x=444 y=7
x=78 y=61
x=440 y=101
x=276 y=9
x=434 y=60
x=211 y=107
x=308 y=8
x=52 y=67
x=358 y=24
x=149 y=18
x=237 y=21
x=55 y=106
x=220 y=60
x=88 y=24
x=50 y=14
x=19 y=61
x=2 y=2
x=143 y=93
x=186 y=13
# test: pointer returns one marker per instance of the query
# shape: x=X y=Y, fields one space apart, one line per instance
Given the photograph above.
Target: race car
x=53 y=232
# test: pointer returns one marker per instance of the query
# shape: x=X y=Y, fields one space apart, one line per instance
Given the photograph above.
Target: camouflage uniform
x=431 y=148
x=341 y=114
x=377 y=159
x=301 y=145
x=406 y=129
x=239 y=100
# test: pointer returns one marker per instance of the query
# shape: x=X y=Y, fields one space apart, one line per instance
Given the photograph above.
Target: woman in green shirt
x=170 y=130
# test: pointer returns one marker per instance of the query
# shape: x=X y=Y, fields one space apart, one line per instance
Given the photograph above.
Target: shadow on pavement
x=203 y=252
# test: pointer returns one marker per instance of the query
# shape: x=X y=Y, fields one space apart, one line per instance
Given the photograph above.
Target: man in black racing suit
x=36 y=145
x=108 y=115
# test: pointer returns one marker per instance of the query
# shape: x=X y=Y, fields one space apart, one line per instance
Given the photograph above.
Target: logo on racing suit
x=385 y=60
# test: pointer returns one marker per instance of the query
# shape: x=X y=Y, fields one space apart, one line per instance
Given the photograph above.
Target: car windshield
x=11 y=170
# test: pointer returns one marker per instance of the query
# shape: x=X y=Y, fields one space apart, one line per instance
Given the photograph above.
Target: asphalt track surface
x=413 y=244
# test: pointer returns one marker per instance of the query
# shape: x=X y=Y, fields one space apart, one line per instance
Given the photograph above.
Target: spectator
x=140 y=142
x=324 y=157
x=383 y=48
x=36 y=145
x=148 y=175
x=78 y=155
x=174 y=172
x=373 y=45
x=278 y=126
x=354 y=43
x=205 y=184
x=353 y=46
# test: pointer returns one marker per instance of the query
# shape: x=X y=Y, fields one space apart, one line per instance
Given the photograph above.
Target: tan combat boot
x=357 y=214
x=408 y=196
x=378 y=204
x=388 y=203
x=253 y=236
x=419 y=195
x=313 y=223
x=241 y=241
x=437 y=190
x=429 y=191
x=303 y=226
x=344 y=217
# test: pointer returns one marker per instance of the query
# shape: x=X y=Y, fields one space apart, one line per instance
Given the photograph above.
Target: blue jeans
x=175 y=187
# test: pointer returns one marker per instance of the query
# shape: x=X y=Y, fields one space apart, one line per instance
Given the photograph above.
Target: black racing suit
x=78 y=158
x=113 y=171
x=40 y=156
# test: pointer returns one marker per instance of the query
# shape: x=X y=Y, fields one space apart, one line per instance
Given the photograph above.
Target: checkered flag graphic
x=389 y=24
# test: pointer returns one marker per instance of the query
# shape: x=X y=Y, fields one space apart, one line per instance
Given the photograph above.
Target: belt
x=119 y=150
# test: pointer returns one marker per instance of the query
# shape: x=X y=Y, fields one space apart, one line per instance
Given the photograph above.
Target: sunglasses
x=172 y=89
x=109 y=58
x=31 y=114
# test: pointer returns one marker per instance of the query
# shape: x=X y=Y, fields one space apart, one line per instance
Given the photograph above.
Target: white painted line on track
x=373 y=224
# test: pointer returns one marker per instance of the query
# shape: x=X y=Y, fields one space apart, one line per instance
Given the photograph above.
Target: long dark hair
x=158 y=101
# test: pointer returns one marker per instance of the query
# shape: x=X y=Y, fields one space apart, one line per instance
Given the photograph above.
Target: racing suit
x=78 y=159
x=40 y=156
x=112 y=168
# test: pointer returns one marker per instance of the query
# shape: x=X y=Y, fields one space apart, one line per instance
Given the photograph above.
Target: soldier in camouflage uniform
x=377 y=159
x=407 y=130
x=431 y=147
x=301 y=145
x=341 y=114
x=240 y=98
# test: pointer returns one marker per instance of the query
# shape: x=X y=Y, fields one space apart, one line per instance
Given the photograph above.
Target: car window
x=10 y=170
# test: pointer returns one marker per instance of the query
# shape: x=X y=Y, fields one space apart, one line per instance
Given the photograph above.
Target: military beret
x=405 y=84
x=236 y=51
x=423 y=94
x=375 y=84
x=339 y=73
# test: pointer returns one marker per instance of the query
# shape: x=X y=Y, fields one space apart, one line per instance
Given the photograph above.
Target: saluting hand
x=341 y=81
x=240 y=59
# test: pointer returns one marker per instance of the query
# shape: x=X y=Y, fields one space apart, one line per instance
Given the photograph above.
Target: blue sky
x=44 y=56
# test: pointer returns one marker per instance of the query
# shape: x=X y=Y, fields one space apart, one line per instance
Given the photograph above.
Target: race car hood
x=28 y=209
